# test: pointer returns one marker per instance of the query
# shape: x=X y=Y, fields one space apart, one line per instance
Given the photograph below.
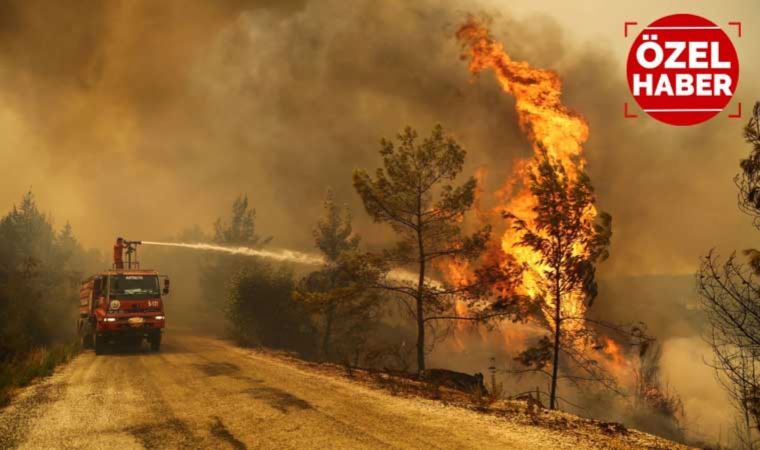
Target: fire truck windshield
x=134 y=286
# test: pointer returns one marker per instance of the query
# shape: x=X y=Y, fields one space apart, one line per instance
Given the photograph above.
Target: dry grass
x=40 y=362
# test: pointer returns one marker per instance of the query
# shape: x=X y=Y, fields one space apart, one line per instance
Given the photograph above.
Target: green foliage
x=337 y=295
x=261 y=310
x=413 y=193
x=39 y=362
x=39 y=274
x=238 y=230
x=334 y=234
x=40 y=271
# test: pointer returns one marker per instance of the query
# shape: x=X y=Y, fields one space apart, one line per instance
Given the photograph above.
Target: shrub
x=40 y=362
x=261 y=310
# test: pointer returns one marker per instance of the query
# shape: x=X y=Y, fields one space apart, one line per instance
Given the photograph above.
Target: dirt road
x=205 y=393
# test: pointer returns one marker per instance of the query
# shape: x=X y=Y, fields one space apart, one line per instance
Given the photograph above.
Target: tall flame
x=550 y=127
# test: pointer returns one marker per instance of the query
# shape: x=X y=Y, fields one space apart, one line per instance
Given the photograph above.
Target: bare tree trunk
x=420 y=338
x=329 y=317
x=421 y=310
x=420 y=290
x=557 y=330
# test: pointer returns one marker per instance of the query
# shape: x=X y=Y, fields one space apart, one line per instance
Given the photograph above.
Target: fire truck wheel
x=155 y=342
x=98 y=344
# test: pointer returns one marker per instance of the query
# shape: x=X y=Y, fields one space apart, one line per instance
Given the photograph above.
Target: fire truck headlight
x=109 y=319
x=159 y=317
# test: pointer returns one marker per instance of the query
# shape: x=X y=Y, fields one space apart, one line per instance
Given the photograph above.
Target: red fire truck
x=124 y=303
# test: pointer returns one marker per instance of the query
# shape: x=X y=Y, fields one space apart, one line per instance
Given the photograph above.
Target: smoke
x=144 y=118
x=708 y=411
x=153 y=116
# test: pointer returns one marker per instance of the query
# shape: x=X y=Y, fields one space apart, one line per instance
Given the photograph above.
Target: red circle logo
x=682 y=69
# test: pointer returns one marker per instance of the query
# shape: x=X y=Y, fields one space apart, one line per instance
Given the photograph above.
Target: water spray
x=277 y=255
x=281 y=255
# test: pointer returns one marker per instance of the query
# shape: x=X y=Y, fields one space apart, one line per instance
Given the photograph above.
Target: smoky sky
x=144 y=118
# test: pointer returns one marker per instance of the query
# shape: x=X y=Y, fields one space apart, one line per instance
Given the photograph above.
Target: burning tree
x=568 y=237
x=412 y=193
x=557 y=234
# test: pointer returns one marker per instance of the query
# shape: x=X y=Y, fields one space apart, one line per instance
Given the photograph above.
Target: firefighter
x=118 y=253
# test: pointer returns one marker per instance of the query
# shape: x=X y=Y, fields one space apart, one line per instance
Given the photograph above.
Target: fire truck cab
x=122 y=304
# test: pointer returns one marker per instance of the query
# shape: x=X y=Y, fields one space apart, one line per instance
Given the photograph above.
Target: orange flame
x=615 y=360
x=558 y=132
x=613 y=351
x=551 y=128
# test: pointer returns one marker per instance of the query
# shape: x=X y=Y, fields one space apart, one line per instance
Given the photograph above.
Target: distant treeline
x=40 y=270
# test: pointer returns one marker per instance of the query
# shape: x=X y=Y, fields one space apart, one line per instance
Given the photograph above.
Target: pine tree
x=238 y=230
x=337 y=294
x=412 y=193
x=562 y=225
